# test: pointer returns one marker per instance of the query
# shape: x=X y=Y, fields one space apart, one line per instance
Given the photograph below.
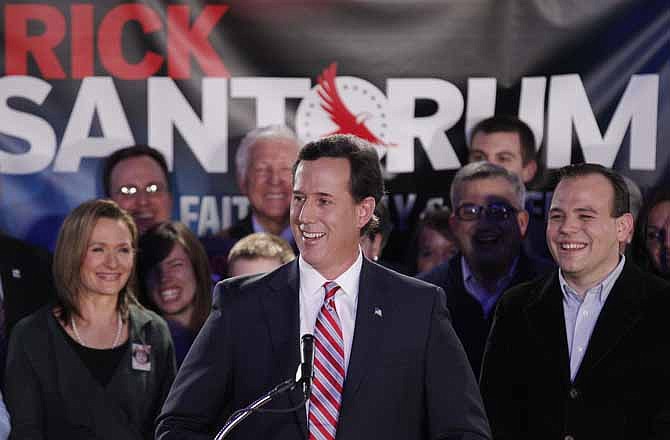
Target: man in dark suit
x=26 y=285
x=388 y=363
x=582 y=352
x=489 y=225
x=263 y=163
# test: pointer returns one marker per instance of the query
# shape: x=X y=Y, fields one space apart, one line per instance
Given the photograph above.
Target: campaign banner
x=190 y=78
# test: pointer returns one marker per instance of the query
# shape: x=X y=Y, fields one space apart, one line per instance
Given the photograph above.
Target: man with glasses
x=136 y=178
x=489 y=224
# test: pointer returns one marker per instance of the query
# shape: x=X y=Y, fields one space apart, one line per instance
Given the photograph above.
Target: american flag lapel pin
x=378 y=312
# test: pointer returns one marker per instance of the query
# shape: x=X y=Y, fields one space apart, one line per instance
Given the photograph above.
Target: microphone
x=307 y=363
x=303 y=375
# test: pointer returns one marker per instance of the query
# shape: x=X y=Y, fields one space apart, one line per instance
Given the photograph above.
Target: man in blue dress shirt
x=489 y=224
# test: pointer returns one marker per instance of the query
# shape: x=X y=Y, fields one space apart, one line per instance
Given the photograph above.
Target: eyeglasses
x=497 y=211
x=132 y=190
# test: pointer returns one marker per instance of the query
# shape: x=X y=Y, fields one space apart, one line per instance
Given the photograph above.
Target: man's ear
x=528 y=171
x=242 y=184
x=522 y=220
x=624 y=227
x=364 y=211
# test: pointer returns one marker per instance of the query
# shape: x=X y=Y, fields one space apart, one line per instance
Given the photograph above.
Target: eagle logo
x=344 y=105
x=346 y=121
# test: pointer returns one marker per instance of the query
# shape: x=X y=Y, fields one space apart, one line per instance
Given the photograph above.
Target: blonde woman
x=95 y=364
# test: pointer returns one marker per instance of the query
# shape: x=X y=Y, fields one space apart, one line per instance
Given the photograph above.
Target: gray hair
x=486 y=170
x=244 y=149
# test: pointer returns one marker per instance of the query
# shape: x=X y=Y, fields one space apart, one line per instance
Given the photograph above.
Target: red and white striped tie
x=324 y=405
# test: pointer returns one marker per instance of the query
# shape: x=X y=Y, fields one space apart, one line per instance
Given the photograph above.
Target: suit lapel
x=547 y=325
x=281 y=309
x=368 y=328
x=621 y=312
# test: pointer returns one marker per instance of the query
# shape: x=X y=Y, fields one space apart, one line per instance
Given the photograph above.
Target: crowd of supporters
x=92 y=338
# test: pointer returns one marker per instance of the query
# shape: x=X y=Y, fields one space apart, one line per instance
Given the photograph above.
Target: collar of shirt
x=311 y=281
x=602 y=289
x=485 y=298
x=346 y=299
x=286 y=234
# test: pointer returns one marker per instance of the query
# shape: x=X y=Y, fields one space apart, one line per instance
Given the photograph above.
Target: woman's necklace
x=119 y=326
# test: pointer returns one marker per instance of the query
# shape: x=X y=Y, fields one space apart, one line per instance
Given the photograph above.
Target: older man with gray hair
x=489 y=223
x=263 y=164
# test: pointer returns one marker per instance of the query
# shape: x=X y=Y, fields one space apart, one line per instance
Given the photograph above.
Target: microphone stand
x=243 y=413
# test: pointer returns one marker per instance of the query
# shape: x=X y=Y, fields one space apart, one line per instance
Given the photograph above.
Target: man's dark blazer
x=407 y=378
x=467 y=316
x=218 y=246
x=622 y=388
x=239 y=230
x=27 y=283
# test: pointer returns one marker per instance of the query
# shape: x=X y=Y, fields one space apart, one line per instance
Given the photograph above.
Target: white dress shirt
x=312 y=295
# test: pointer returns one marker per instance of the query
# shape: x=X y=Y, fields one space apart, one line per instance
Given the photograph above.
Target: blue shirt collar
x=485 y=298
x=602 y=289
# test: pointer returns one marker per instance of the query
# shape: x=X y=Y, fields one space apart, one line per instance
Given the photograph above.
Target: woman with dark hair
x=651 y=246
x=433 y=242
x=72 y=371
x=175 y=281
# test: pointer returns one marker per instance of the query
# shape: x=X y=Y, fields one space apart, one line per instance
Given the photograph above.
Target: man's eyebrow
x=587 y=209
x=317 y=194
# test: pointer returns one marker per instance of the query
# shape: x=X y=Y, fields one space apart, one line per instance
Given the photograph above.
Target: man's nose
x=142 y=198
x=307 y=212
x=569 y=224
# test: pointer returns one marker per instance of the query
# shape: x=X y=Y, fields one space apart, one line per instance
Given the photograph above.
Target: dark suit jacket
x=51 y=394
x=218 y=246
x=468 y=319
x=27 y=283
x=622 y=388
x=408 y=377
x=239 y=230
